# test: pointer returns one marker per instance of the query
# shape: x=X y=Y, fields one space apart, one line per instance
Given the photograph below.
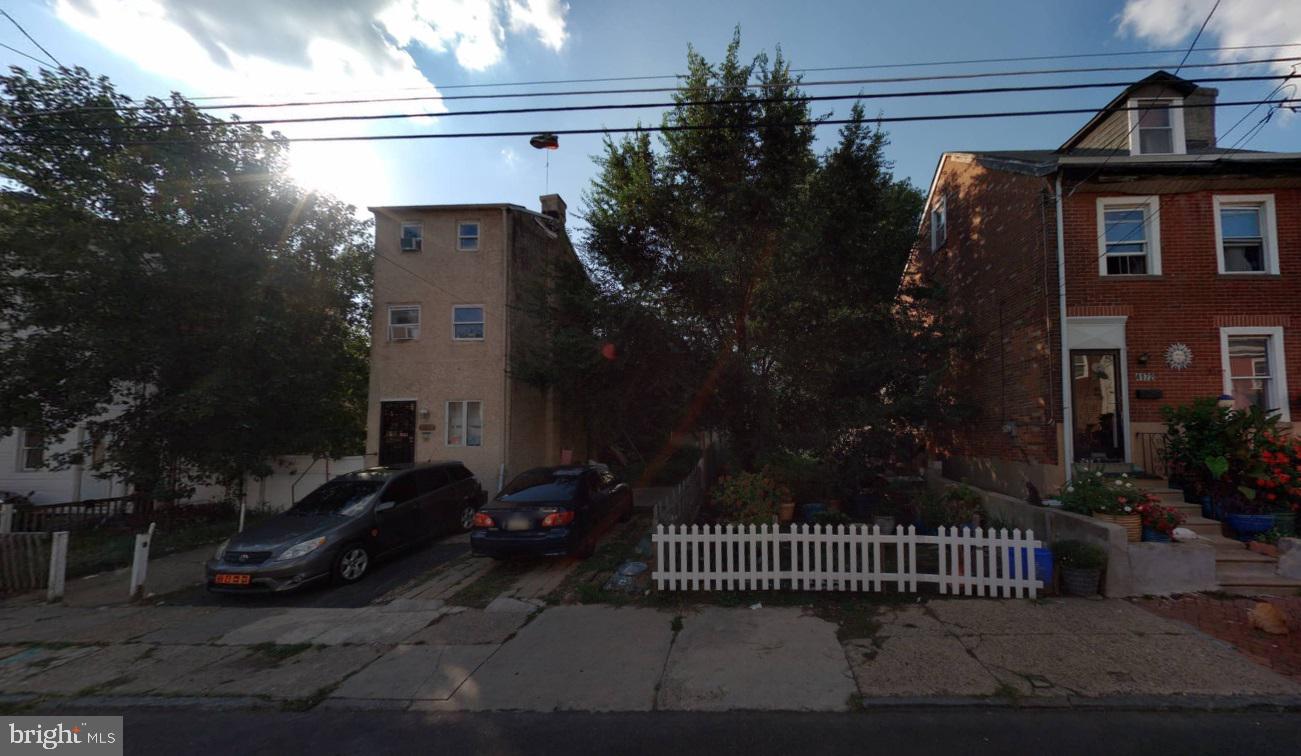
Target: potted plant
x=1278 y=483
x=1265 y=543
x=1080 y=565
x=1116 y=501
x=1159 y=521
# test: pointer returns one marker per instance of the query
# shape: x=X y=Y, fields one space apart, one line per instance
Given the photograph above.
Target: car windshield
x=345 y=497
x=543 y=485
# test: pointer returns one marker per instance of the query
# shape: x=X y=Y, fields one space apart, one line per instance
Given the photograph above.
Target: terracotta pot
x=1132 y=523
x=1268 y=549
x=786 y=511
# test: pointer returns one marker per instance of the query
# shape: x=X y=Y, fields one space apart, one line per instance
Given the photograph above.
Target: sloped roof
x=1165 y=78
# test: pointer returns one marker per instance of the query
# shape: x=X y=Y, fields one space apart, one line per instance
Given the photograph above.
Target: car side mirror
x=385 y=506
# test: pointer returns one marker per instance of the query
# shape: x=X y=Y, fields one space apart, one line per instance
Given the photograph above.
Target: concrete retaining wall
x=1133 y=569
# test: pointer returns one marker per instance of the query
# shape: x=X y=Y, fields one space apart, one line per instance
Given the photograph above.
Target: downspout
x=1068 y=417
x=505 y=371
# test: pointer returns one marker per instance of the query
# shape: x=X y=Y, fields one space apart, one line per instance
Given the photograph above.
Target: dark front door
x=397 y=433
x=1097 y=399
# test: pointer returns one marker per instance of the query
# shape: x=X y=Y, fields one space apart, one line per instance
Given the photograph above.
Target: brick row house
x=1139 y=264
x=451 y=298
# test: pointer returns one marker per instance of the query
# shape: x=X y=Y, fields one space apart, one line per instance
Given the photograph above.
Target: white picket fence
x=840 y=558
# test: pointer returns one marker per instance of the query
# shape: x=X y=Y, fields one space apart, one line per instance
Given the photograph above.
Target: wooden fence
x=682 y=504
x=81 y=515
x=24 y=562
x=845 y=558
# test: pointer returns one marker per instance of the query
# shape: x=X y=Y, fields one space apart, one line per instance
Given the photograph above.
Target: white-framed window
x=939 y=222
x=1246 y=233
x=467 y=236
x=31 y=450
x=1129 y=236
x=465 y=423
x=467 y=323
x=1255 y=372
x=403 y=322
x=413 y=235
x=1156 y=127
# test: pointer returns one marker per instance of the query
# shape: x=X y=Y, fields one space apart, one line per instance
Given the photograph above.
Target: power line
x=620 y=106
x=1197 y=36
x=14 y=21
x=639 y=90
x=818 y=69
x=662 y=128
x=20 y=52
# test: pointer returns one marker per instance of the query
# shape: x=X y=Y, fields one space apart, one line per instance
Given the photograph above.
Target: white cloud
x=1240 y=22
x=271 y=48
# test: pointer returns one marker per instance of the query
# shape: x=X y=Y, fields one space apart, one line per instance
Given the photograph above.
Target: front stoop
x=1238 y=569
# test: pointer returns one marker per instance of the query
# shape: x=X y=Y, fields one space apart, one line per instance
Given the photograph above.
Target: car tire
x=352 y=563
x=465 y=522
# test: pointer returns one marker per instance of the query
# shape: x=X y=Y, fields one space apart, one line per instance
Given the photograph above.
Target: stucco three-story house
x=1143 y=262
x=453 y=303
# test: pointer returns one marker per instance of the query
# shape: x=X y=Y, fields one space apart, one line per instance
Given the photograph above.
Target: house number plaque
x=1144 y=377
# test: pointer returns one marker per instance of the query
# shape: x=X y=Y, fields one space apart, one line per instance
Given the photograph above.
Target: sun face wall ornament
x=1178 y=356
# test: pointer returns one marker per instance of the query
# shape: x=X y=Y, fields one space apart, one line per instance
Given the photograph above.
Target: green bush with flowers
x=1091 y=492
x=1278 y=479
x=746 y=498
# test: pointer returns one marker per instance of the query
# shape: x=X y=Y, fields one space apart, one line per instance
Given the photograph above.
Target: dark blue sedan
x=551 y=511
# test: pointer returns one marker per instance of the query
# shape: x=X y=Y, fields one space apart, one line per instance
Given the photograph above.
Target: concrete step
x=1252 y=579
x=1202 y=526
x=1231 y=551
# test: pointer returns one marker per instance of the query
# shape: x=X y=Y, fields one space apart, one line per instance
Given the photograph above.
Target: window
x=467 y=323
x=1156 y=127
x=404 y=488
x=467 y=236
x=1245 y=234
x=31 y=452
x=403 y=322
x=939 y=223
x=1129 y=236
x=412 y=237
x=464 y=423
x=1254 y=370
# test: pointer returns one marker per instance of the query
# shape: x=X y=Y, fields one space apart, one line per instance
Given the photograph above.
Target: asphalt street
x=386 y=576
x=882 y=731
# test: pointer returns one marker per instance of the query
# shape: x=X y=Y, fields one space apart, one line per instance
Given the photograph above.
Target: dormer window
x=1156 y=127
x=939 y=223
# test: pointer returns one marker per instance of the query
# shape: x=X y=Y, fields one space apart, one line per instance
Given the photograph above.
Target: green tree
x=163 y=282
x=774 y=271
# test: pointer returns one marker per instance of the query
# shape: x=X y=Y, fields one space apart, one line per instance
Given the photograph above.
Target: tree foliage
x=163 y=282
x=764 y=277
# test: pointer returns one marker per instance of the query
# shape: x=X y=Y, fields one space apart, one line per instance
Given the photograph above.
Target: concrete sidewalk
x=421 y=654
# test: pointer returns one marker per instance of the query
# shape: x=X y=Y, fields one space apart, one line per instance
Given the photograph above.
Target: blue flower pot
x=1208 y=508
x=1249 y=526
x=812 y=510
x=1154 y=535
x=1043 y=564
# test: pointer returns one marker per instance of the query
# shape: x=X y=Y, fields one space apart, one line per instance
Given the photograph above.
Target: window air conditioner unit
x=411 y=244
x=403 y=332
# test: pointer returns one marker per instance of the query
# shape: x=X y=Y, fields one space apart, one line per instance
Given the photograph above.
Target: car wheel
x=352 y=563
x=467 y=518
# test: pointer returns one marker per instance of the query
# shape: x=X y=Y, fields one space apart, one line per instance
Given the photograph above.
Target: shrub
x=803 y=474
x=1216 y=449
x=832 y=519
x=747 y=498
x=1278 y=483
x=1091 y=492
x=1079 y=555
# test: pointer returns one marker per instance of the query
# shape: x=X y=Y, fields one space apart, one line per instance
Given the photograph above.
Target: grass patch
x=1008 y=691
x=676 y=624
x=587 y=580
x=103 y=549
x=307 y=703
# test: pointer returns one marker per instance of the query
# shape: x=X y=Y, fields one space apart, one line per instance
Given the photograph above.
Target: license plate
x=518 y=523
x=233 y=579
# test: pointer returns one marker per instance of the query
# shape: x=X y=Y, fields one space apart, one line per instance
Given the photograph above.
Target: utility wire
x=618 y=106
x=14 y=21
x=637 y=90
x=819 y=69
x=1197 y=36
x=650 y=129
x=20 y=52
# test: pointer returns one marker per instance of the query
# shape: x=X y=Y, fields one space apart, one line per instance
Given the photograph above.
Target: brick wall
x=1190 y=300
x=998 y=266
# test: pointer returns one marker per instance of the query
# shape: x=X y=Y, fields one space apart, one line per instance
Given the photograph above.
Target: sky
x=274 y=50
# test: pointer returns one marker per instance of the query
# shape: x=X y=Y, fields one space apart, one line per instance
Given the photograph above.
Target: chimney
x=553 y=206
x=1199 y=122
